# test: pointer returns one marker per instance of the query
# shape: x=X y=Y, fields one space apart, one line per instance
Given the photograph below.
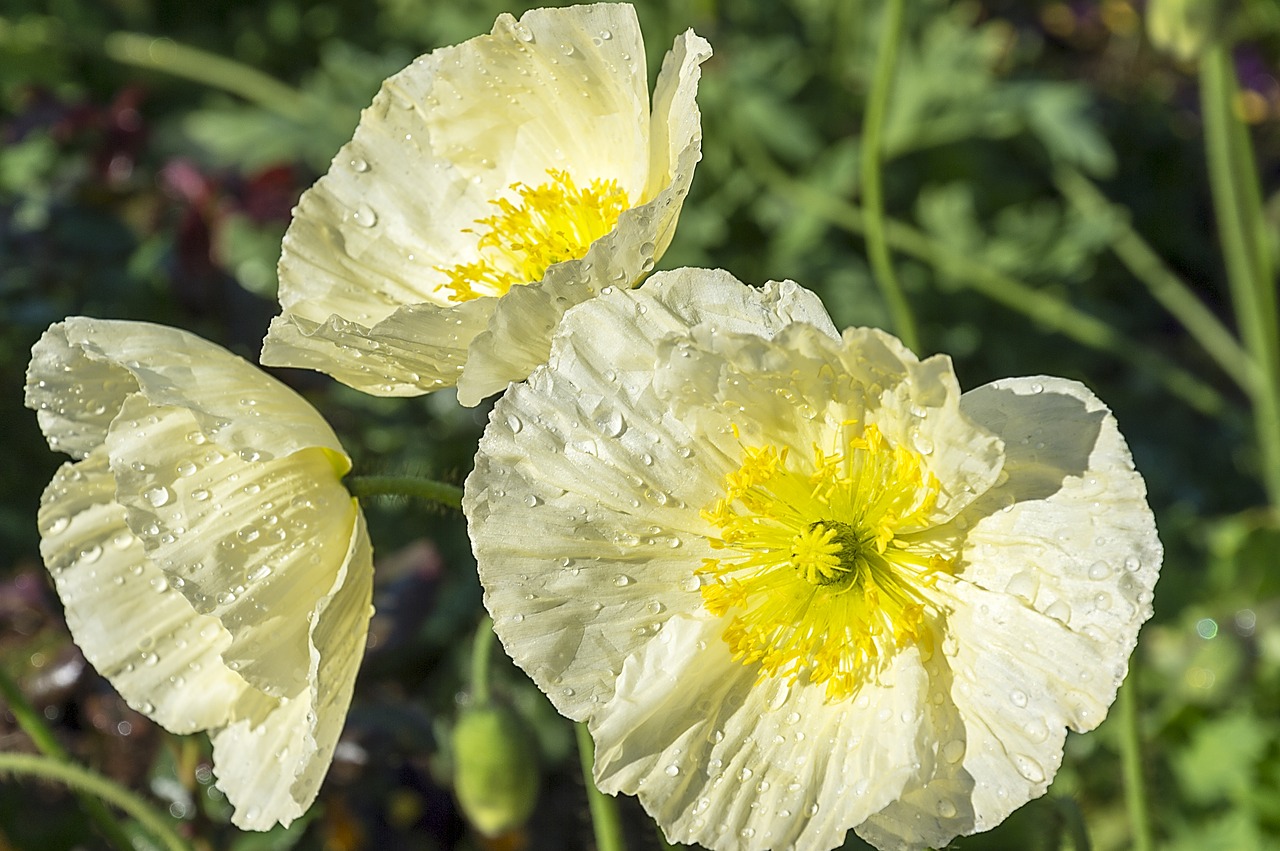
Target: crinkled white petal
x=1069 y=532
x=141 y=634
x=82 y=370
x=255 y=544
x=272 y=760
x=727 y=762
x=211 y=563
x=360 y=272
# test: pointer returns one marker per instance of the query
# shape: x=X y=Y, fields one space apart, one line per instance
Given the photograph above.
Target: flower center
x=550 y=223
x=823 y=574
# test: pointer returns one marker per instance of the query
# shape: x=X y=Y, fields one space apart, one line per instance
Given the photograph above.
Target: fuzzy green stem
x=904 y=321
x=86 y=782
x=604 y=809
x=180 y=60
x=363 y=487
x=1165 y=287
x=1135 y=793
x=32 y=723
x=481 y=654
x=1242 y=230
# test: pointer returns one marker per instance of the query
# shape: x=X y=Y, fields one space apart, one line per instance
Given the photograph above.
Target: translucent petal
x=1021 y=678
x=301 y=731
x=82 y=369
x=1069 y=531
x=728 y=762
x=361 y=281
x=256 y=544
x=133 y=627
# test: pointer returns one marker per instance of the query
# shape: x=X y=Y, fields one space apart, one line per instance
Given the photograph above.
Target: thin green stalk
x=604 y=809
x=211 y=69
x=1045 y=308
x=1135 y=792
x=1165 y=287
x=86 y=782
x=363 y=487
x=1237 y=201
x=481 y=653
x=1073 y=823
x=904 y=321
x=32 y=723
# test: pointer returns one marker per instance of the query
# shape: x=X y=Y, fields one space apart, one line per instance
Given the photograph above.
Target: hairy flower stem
x=88 y=783
x=447 y=495
x=33 y=725
x=1243 y=233
x=604 y=808
x=1135 y=792
x=872 y=188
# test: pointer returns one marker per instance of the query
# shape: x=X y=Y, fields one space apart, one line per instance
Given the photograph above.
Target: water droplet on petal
x=157 y=496
x=672 y=770
x=364 y=216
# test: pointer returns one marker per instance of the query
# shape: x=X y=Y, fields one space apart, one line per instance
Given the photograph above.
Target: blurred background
x=1045 y=181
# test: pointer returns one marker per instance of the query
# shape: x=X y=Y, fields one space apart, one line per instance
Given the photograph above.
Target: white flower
x=489 y=187
x=794 y=581
x=212 y=565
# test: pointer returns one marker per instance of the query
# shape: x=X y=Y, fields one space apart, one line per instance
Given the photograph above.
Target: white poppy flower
x=489 y=187
x=794 y=581
x=211 y=564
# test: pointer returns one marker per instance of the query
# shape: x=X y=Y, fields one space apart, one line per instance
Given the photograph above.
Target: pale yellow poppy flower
x=795 y=581
x=211 y=564
x=489 y=187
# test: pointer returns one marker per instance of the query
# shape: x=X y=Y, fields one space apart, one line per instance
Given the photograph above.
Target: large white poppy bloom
x=794 y=581
x=212 y=565
x=489 y=187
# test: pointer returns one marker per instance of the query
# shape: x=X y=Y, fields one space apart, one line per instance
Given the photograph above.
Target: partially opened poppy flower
x=489 y=187
x=794 y=581
x=212 y=565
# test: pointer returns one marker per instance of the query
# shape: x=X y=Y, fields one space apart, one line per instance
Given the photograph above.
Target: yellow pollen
x=550 y=223
x=822 y=573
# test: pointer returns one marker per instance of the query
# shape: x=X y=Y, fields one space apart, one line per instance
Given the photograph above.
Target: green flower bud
x=1182 y=28
x=495 y=775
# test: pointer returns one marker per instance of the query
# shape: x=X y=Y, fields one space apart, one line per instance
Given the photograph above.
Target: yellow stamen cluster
x=822 y=576
x=550 y=223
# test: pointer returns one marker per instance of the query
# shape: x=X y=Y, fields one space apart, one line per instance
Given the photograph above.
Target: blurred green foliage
x=152 y=150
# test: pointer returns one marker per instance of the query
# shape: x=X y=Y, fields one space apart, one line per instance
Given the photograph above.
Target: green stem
x=1045 y=308
x=872 y=189
x=481 y=653
x=32 y=723
x=1073 y=821
x=1237 y=201
x=180 y=60
x=363 y=487
x=86 y=782
x=1165 y=287
x=1135 y=794
x=604 y=809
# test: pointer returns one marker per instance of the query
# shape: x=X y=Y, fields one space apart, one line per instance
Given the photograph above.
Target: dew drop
x=1029 y=768
x=91 y=554
x=953 y=751
x=514 y=423
x=1018 y=697
x=946 y=809
x=364 y=216
x=186 y=468
x=359 y=164
x=1059 y=611
x=158 y=496
x=1099 y=570
x=672 y=770
x=622 y=580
